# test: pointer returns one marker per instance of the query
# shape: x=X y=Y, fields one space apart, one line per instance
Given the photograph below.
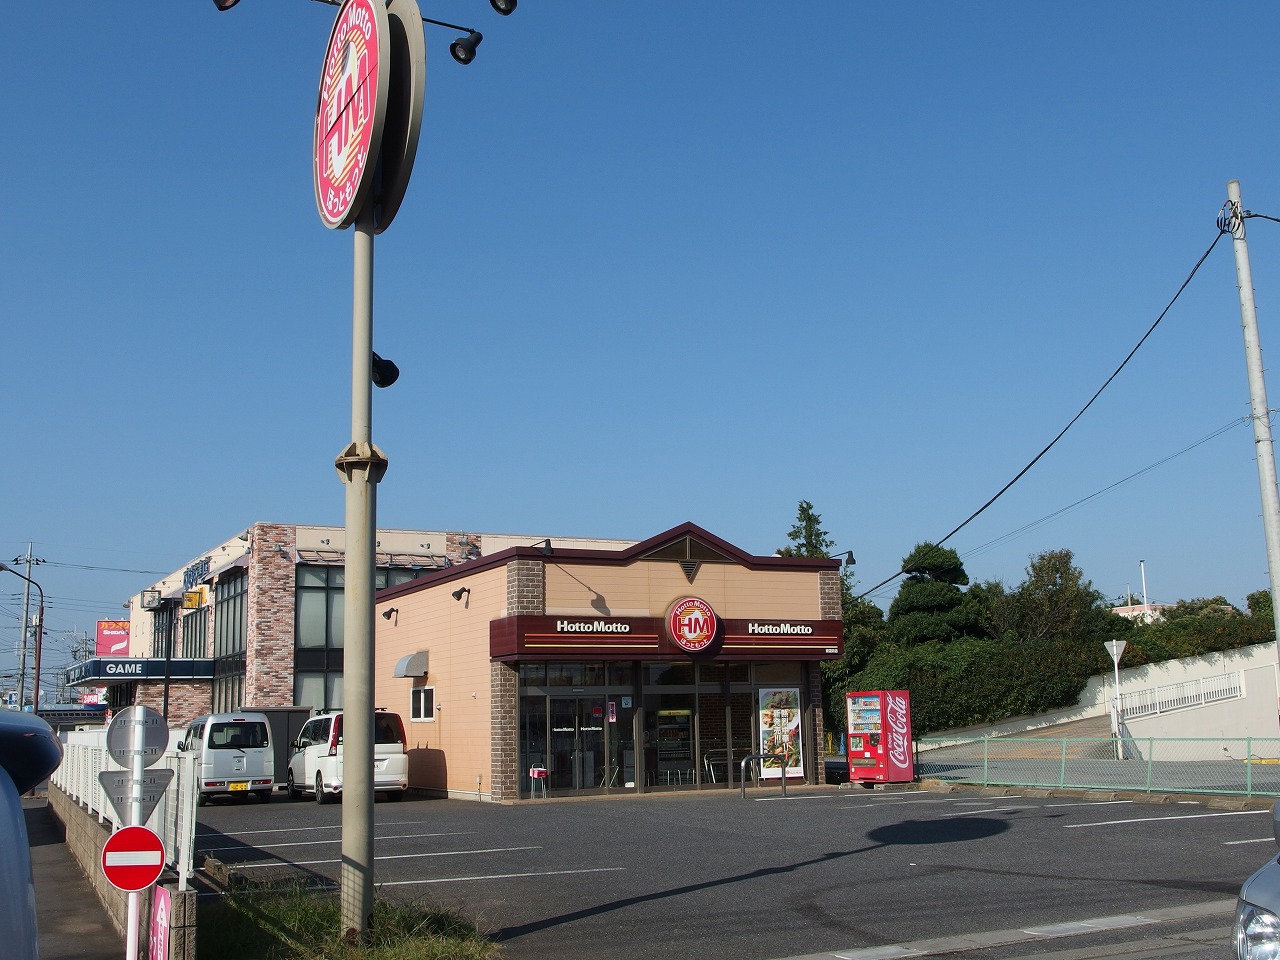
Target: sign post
x=133 y=856
x=368 y=116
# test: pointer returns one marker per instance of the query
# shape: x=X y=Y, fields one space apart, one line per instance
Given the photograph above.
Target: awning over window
x=414 y=665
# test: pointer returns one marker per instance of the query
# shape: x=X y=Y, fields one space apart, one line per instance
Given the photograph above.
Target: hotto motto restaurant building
x=548 y=671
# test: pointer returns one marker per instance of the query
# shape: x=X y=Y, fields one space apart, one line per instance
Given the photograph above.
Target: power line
x=1061 y=433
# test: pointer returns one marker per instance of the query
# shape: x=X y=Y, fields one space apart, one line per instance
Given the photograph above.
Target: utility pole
x=29 y=560
x=1233 y=220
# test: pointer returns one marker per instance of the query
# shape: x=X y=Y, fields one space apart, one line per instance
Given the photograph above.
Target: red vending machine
x=879 y=736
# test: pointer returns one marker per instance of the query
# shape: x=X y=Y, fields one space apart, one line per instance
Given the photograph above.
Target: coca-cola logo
x=896 y=719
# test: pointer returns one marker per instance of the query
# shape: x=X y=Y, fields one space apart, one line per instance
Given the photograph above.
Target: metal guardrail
x=742 y=770
x=1180 y=696
x=174 y=818
x=1243 y=766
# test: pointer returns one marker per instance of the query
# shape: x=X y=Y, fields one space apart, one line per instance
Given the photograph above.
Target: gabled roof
x=687 y=544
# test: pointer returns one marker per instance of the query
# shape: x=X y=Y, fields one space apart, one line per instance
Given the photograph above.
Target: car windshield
x=238 y=735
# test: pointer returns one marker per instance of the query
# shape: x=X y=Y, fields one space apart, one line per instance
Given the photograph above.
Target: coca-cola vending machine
x=879 y=736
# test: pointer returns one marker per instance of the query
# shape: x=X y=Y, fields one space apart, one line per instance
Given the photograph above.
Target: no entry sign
x=132 y=859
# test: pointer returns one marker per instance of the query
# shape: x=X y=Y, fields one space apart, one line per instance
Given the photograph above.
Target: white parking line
x=502 y=876
x=316 y=843
x=970 y=813
x=1189 y=816
x=1236 y=843
x=397 y=856
x=1089 y=803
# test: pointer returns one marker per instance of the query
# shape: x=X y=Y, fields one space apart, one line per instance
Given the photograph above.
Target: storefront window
x=719 y=673
x=195 y=626
x=533 y=674
x=669 y=674
x=575 y=674
x=669 y=741
x=775 y=673
x=319 y=600
x=622 y=676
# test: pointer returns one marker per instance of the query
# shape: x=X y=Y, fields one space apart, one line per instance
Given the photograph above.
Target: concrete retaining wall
x=85 y=839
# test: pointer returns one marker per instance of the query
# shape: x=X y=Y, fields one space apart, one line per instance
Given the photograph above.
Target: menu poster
x=780 y=732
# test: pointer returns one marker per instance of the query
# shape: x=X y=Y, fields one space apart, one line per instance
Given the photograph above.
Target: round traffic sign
x=122 y=739
x=132 y=858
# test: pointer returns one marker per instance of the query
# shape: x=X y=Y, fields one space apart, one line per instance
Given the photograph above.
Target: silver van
x=1256 y=933
x=235 y=755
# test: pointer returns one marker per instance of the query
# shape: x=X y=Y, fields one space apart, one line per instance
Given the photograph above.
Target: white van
x=235 y=755
x=316 y=763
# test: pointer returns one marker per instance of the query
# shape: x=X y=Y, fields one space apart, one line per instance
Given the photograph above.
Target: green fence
x=1246 y=766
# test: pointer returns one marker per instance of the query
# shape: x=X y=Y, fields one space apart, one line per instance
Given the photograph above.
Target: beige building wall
x=647 y=588
x=457 y=668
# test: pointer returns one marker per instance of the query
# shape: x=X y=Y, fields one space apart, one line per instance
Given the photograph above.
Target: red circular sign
x=351 y=111
x=692 y=624
x=132 y=858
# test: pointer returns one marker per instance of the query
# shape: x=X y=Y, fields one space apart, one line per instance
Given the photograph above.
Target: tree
x=930 y=606
x=863 y=620
x=807 y=537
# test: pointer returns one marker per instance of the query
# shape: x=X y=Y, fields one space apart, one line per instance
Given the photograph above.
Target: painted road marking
x=1189 y=816
x=501 y=876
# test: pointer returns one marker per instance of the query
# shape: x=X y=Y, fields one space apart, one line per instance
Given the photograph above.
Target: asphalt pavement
x=72 y=922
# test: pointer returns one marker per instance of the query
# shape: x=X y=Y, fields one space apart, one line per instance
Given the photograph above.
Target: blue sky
x=658 y=262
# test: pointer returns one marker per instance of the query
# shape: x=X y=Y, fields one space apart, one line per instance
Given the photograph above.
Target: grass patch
x=303 y=924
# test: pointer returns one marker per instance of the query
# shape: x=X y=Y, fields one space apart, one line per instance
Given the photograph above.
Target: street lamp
x=35 y=697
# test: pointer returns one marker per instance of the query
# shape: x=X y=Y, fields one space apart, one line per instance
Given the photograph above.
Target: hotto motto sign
x=691 y=624
x=351 y=111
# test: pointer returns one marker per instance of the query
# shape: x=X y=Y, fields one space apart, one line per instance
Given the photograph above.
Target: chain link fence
x=1244 y=766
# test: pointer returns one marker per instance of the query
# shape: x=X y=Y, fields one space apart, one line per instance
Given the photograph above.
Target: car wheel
x=294 y=792
x=201 y=799
x=265 y=796
x=395 y=794
x=321 y=796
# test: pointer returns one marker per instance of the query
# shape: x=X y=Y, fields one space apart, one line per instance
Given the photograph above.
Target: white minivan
x=235 y=755
x=316 y=762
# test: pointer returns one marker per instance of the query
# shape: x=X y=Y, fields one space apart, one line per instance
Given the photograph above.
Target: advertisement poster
x=780 y=732
x=112 y=639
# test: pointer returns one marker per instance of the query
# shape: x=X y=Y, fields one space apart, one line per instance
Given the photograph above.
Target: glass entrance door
x=577 y=745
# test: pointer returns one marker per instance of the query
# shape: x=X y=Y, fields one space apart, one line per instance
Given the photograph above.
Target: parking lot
x=713 y=875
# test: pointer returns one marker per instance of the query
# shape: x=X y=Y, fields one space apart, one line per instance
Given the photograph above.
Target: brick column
x=504 y=745
x=268 y=680
x=526 y=594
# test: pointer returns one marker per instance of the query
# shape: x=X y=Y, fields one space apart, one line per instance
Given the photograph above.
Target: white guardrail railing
x=1179 y=696
x=174 y=818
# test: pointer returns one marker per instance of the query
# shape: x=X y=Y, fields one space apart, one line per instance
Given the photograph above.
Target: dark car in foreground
x=29 y=752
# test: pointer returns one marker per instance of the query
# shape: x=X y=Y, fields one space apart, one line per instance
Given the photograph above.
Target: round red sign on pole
x=132 y=859
x=351 y=111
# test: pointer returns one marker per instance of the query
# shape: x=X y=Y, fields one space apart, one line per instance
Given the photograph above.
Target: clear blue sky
x=658 y=262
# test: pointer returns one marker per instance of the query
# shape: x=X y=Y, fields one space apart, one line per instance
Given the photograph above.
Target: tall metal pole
x=1142 y=567
x=361 y=466
x=1265 y=455
x=26 y=620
